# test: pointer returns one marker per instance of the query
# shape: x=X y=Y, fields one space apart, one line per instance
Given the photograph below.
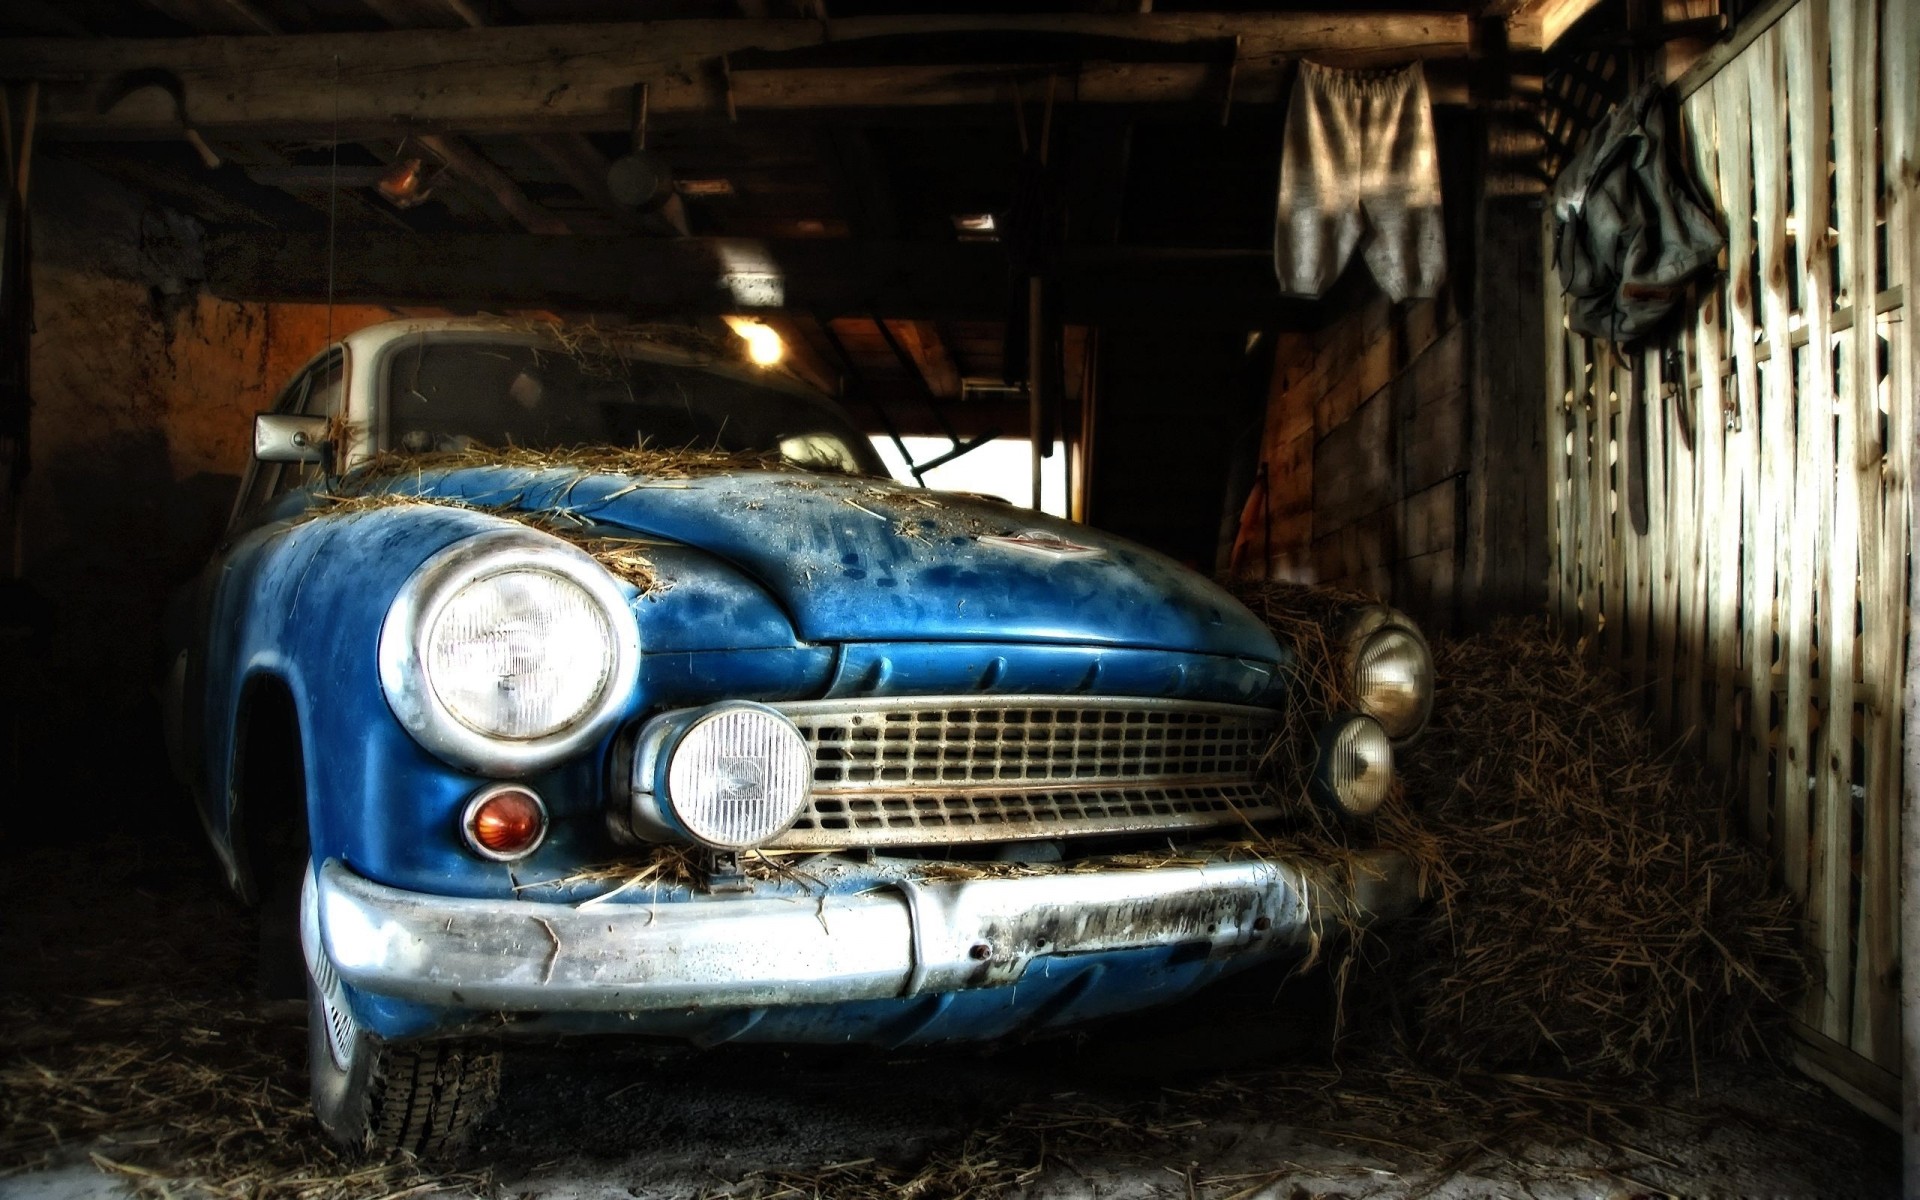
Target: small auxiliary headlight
x=737 y=776
x=504 y=822
x=1355 y=771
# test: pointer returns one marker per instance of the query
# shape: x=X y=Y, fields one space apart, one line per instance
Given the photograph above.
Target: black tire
x=424 y=1099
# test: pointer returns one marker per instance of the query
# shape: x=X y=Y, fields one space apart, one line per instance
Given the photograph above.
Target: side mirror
x=290 y=438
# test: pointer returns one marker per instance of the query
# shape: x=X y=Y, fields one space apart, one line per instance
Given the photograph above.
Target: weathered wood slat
x=1560 y=598
x=1619 y=525
x=1831 y=892
x=1810 y=115
x=1749 y=634
x=1690 y=582
x=1859 y=191
x=1634 y=606
x=1599 y=495
x=1777 y=769
x=1660 y=603
x=1580 y=525
x=1880 y=934
x=1813 y=454
x=1716 y=587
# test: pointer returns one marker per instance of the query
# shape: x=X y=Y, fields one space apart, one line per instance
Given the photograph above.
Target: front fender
x=301 y=602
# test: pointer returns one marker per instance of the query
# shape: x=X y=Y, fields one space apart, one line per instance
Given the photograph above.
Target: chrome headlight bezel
x=405 y=679
x=654 y=814
x=1336 y=747
x=1369 y=624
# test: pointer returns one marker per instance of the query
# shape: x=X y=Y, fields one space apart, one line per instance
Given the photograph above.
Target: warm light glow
x=764 y=346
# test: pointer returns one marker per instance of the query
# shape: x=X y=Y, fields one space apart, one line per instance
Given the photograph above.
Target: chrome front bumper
x=899 y=938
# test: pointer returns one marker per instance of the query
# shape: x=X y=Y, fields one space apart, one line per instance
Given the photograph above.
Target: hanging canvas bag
x=1630 y=228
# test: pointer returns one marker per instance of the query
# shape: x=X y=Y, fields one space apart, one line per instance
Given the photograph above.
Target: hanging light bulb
x=764 y=346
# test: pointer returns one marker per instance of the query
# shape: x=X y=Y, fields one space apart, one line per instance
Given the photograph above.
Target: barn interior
x=1673 y=569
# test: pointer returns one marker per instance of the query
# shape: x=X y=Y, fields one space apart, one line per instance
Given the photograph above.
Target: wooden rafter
x=475 y=169
x=1538 y=24
x=920 y=340
x=823 y=276
x=545 y=77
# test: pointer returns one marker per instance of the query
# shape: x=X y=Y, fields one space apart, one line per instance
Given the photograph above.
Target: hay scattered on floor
x=1413 y=1123
x=141 y=1032
x=1598 y=910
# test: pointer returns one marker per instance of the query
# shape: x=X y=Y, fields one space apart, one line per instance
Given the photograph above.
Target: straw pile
x=1595 y=911
x=1598 y=910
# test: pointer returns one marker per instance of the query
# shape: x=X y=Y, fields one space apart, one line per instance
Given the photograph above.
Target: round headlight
x=520 y=654
x=1393 y=680
x=1356 y=765
x=738 y=776
x=508 y=651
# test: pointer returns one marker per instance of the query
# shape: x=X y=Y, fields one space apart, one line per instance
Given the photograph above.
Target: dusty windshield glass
x=459 y=394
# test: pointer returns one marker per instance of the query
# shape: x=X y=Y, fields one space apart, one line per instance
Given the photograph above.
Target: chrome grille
x=962 y=769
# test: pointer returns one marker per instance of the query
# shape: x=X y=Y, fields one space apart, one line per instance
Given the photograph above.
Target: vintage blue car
x=550 y=681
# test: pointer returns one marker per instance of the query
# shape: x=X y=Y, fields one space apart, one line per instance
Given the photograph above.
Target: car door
x=196 y=684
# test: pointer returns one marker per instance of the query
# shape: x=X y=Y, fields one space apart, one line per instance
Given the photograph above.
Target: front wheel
x=424 y=1098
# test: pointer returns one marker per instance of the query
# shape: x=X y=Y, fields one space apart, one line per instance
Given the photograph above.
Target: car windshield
x=457 y=394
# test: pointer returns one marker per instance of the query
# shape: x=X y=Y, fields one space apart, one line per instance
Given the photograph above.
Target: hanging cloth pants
x=1358 y=168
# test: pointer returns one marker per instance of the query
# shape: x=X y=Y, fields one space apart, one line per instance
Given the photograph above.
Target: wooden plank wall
x=1762 y=612
x=1366 y=456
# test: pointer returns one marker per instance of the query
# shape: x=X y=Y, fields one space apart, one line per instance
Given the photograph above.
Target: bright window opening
x=1002 y=467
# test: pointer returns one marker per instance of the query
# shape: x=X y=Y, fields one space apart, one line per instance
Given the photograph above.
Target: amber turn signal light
x=504 y=822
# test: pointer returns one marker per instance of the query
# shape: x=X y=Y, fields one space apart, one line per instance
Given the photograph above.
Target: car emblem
x=1047 y=545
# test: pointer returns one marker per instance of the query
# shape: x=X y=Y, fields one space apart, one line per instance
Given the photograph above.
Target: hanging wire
x=333 y=197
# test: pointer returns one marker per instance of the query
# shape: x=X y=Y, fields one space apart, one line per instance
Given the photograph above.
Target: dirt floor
x=134 y=1061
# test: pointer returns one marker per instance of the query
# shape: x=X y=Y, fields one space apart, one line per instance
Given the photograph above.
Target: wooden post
x=1037 y=399
x=1508 y=523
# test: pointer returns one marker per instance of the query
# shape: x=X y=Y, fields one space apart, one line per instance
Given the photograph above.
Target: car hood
x=854 y=559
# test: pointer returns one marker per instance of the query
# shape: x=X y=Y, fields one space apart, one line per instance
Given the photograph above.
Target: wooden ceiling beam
x=690 y=276
x=921 y=342
x=1538 y=24
x=545 y=77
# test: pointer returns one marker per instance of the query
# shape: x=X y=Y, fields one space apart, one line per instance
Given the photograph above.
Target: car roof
x=683 y=345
